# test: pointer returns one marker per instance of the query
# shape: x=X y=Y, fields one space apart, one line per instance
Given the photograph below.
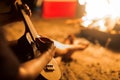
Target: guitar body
x=52 y=75
x=25 y=52
x=23 y=49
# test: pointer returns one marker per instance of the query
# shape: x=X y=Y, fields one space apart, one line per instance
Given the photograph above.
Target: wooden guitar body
x=52 y=75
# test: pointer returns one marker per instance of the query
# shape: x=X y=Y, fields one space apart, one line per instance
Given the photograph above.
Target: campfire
x=102 y=22
x=103 y=15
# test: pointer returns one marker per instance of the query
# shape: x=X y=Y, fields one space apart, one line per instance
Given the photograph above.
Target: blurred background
x=94 y=21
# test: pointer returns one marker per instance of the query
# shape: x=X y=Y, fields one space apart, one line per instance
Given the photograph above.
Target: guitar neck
x=42 y=43
x=28 y=24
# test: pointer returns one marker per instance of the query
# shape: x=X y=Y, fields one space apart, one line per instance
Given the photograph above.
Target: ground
x=93 y=63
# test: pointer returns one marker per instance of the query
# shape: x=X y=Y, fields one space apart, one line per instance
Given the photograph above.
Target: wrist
x=49 y=54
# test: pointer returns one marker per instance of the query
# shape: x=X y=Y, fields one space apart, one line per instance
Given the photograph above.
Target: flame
x=103 y=11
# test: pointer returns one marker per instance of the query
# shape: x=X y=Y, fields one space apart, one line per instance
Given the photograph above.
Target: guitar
x=34 y=45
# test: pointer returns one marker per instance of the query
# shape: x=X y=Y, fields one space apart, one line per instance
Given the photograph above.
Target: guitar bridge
x=49 y=68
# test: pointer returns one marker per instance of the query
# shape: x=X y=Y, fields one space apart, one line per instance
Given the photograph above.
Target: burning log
x=105 y=39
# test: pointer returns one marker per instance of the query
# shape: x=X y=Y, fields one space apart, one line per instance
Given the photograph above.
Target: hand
x=50 y=52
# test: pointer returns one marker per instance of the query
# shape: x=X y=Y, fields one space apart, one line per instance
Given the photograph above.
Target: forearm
x=31 y=69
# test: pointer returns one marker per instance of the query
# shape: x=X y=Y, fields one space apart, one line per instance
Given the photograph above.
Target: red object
x=59 y=9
